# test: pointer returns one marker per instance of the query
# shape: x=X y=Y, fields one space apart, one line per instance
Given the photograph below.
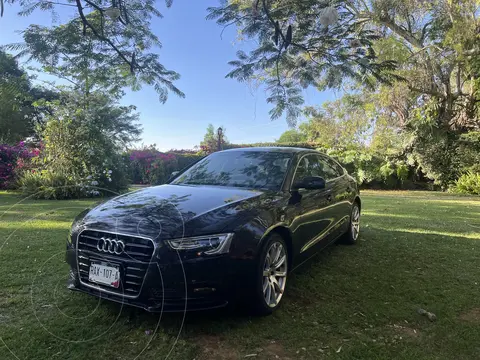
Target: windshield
x=249 y=169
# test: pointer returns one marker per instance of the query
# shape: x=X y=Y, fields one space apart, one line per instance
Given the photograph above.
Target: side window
x=302 y=169
x=309 y=165
x=317 y=166
x=336 y=166
x=314 y=165
x=325 y=169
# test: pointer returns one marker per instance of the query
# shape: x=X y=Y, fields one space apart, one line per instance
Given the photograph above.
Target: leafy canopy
x=18 y=113
x=304 y=43
x=114 y=35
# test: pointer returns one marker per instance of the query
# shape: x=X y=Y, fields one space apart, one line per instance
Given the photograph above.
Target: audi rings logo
x=111 y=246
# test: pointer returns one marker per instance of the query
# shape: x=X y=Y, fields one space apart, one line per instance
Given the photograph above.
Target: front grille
x=133 y=261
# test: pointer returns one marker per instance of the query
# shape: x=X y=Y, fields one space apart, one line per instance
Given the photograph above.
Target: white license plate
x=104 y=274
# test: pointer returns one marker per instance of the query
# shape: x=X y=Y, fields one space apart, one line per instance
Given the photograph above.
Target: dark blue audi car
x=231 y=226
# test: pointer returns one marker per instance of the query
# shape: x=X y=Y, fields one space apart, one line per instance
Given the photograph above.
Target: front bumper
x=171 y=284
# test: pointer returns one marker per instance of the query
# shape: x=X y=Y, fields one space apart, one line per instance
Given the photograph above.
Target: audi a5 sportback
x=233 y=225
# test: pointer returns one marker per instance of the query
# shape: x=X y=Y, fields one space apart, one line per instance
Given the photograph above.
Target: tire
x=351 y=235
x=270 y=280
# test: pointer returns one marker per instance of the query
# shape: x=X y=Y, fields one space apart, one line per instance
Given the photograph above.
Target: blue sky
x=191 y=46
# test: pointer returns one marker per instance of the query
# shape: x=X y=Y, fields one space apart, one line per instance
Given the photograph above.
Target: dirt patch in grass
x=471 y=316
x=405 y=332
x=274 y=350
x=214 y=347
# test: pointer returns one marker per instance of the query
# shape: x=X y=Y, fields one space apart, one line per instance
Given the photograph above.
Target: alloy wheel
x=355 y=222
x=274 y=274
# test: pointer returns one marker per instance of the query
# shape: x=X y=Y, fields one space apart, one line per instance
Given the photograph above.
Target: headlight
x=209 y=244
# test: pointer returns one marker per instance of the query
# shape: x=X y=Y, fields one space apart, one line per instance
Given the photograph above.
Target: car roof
x=272 y=149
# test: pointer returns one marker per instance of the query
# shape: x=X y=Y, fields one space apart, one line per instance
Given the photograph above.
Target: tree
x=424 y=118
x=213 y=138
x=85 y=142
x=342 y=123
x=291 y=136
x=300 y=44
x=18 y=115
x=107 y=40
x=436 y=46
x=435 y=43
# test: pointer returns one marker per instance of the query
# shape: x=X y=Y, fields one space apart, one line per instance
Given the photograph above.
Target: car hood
x=169 y=211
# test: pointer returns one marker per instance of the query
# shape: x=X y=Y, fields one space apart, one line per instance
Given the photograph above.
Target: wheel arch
x=358 y=201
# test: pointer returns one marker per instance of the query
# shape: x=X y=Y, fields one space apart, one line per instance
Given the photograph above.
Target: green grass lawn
x=416 y=249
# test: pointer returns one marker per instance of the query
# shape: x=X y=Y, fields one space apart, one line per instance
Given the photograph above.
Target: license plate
x=104 y=274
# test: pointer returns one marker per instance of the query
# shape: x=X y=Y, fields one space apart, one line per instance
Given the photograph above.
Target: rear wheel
x=351 y=235
x=271 y=275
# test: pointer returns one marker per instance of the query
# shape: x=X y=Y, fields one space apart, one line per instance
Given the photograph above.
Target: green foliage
x=150 y=166
x=468 y=183
x=94 y=51
x=291 y=136
x=373 y=169
x=54 y=184
x=18 y=115
x=329 y=43
x=386 y=170
x=186 y=159
x=341 y=123
x=83 y=142
x=430 y=117
x=162 y=170
x=402 y=171
x=274 y=144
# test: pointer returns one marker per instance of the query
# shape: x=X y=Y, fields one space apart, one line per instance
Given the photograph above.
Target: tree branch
x=459 y=86
x=58 y=3
x=101 y=37
x=397 y=29
x=100 y=10
x=424 y=31
x=231 y=23
x=429 y=92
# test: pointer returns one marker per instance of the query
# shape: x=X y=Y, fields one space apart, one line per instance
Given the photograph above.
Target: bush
x=468 y=183
x=162 y=169
x=305 y=145
x=13 y=159
x=184 y=160
x=149 y=166
x=83 y=139
x=376 y=170
x=56 y=185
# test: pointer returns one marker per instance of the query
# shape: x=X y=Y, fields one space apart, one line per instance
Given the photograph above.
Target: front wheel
x=351 y=235
x=271 y=275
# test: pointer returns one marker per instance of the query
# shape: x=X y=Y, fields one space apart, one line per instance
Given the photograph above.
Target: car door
x=340 y=191
x=311 y=210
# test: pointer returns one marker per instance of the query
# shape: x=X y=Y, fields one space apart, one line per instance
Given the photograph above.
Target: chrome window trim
x=123 y=295
x=321 y=156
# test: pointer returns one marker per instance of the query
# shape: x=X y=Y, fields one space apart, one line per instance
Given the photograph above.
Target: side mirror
x=310 y=183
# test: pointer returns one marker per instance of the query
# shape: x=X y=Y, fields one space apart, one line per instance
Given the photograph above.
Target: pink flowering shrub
x=14 y=160
x=150 y=166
